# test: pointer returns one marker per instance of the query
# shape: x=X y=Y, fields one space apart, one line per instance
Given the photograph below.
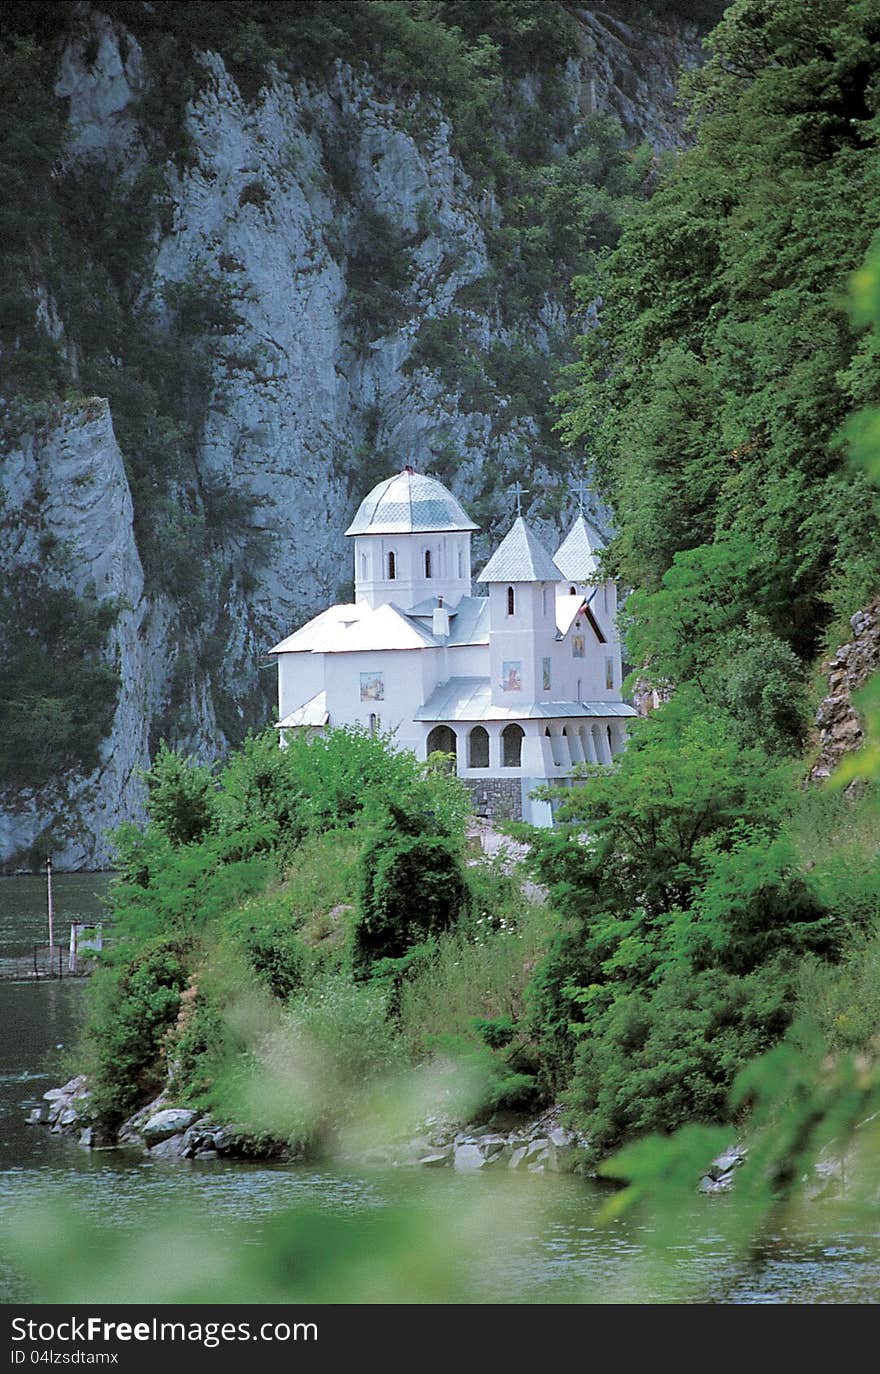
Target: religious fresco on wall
x=545 y=674
x=372 y=686
x=511 y=675
x=577 y=646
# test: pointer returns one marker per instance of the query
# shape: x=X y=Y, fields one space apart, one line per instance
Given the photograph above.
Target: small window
x=427 y=562
x=572 y=591
x=460 y=563
x=609 y=673
x=392 y=567
x=605 y=598
x=511 y=602
x=374 y=723
x=363 y=565
x=544 y=600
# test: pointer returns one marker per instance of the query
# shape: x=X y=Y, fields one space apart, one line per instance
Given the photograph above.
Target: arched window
x=511 y=602
x=460 y=563
x=605 y=597
x=544 y=600
x=511 y=746
x=374 y=723
x=478 y=748
x=363 y=565
x=442 y=740
x=392 y=567
x=572 y=591
x=427 y=562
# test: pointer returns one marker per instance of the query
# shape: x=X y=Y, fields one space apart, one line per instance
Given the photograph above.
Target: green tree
x=412 y=886
x=672 y=870
x=712 y=393
x=179 y=796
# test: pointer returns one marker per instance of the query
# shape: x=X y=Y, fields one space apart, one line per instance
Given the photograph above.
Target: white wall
x=300 y=677
x=406 y=674
x=449 y=552
x=526 y=637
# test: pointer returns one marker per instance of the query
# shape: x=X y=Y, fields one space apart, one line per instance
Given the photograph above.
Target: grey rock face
x=468 y=1156
x=309 y=405
x=839 y=725
x=72 y=474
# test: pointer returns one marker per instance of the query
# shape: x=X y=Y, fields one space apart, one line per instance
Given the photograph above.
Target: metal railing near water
x=56 y=961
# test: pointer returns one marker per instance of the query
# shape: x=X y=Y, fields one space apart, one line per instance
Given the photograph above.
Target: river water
x=510 y=1239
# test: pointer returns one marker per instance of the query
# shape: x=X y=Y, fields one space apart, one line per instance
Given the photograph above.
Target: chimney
x=440 y=621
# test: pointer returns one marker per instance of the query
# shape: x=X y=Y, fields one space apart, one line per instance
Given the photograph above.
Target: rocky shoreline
x=161 y=1131
x=164 y=1131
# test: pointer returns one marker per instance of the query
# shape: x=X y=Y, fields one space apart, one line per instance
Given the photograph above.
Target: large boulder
x=171 y=1121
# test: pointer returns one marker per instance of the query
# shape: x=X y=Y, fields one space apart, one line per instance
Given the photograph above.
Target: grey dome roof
x=409 y=503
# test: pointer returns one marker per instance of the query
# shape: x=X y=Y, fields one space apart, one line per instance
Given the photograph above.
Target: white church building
x=519 y=685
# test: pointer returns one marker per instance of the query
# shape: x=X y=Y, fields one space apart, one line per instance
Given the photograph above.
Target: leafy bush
x=656 y=1058
x=412 y=887
x=133 y=1008
x=179 y=796
x=686 y=874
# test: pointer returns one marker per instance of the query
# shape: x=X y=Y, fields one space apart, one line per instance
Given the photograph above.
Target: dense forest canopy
x=713 y=394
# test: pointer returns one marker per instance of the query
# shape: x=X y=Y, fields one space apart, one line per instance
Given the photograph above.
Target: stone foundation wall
x=498 y=799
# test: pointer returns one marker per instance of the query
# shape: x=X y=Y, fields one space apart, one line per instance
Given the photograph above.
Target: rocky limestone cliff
x=66 y=485
x=285 y=199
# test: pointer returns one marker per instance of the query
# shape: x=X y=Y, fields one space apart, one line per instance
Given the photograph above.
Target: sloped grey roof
x=468 y=618
x=471 y=624
x=575 y=556
x=470 y=698
x=520 y=557
x=409 y=503
x=352 y=629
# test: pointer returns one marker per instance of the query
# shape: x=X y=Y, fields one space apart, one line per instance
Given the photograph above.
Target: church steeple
x=522 y=579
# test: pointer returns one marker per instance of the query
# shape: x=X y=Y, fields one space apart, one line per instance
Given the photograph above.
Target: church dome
x=409 y=503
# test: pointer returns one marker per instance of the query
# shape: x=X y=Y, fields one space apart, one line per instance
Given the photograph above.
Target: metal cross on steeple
x=582 y=491
x=519 y=492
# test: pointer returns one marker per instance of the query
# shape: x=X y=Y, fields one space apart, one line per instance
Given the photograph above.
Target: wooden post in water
x=51 y=909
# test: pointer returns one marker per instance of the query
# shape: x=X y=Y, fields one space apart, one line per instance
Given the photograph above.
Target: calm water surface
x=541 y=1237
